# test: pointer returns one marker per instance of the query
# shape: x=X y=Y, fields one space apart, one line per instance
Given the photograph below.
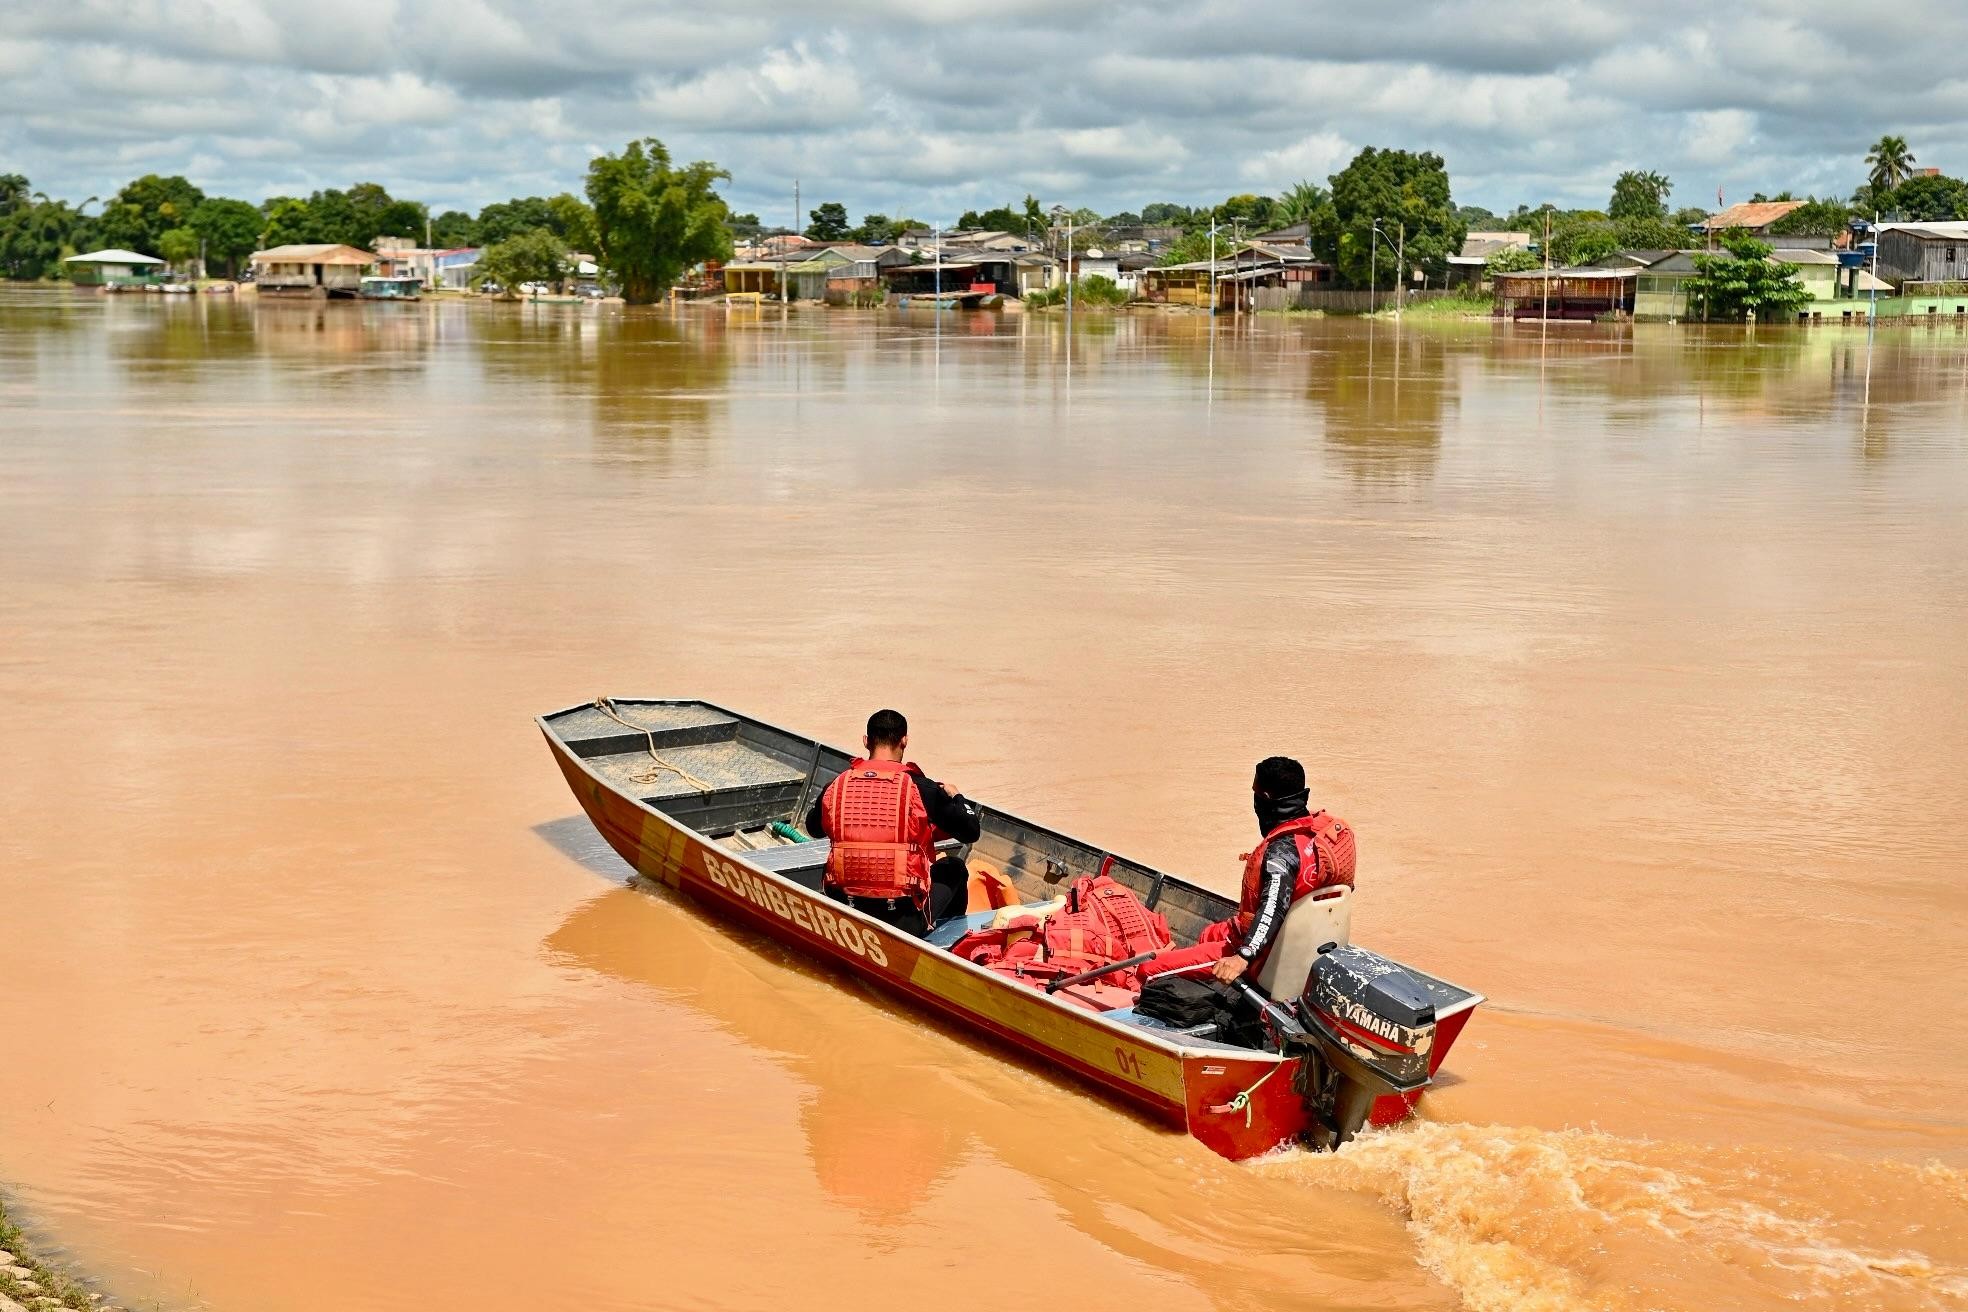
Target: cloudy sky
x=928 y=107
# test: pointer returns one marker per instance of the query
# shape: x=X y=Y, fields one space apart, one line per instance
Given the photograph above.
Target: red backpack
x=1102 y=921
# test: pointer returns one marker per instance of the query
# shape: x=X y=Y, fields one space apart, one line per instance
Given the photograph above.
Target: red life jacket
x=1326 y=855
x=883 y=842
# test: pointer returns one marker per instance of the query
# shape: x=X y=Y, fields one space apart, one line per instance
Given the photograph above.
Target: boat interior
x=747 y=786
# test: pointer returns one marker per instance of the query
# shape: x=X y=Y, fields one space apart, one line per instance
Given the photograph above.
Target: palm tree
x=1892 y=163
x=1301 y=201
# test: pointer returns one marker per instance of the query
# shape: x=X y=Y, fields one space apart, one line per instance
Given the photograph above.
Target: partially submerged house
x=1231 y=283
x=1470 y=266
x=1923 y=252
x=311 y=270
x=112 y=268
x=1582 y=294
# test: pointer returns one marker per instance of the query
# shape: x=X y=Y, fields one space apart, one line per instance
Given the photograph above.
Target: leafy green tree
x=1124 y=219
x=1163 y=213
x=1582 y=241
x=829 y=222
x=1890 y=162
x=1742 y=280
x=13 y=193
x=1933 y=198
x=1642 y=233
x=1250 y=212
x=1688 y=215
x=743 y=227
x=1395 y=187
x=143 y=210
x=572 y=222
x=1638 y=195
x=1002 y=219
x=452 y=229
x=536 y=255
x=879 y=230
x=1477 y=219
x=1192 y=247
x=1870 y=199
x=35 y=235
x=230 y=230
x=331 y=217
x=653 y=221
x=1512 y=259
x=287 y=220
x=509 y=218
x=177 y=247
x=1814 y=218
x=1035 y=219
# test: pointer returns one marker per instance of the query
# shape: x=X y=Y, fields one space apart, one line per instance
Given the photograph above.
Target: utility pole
x=1546 y=251
x=1373 y=269
x=1069 y=270
x=1212 y=285
x=1401 y=268
x=786 y=254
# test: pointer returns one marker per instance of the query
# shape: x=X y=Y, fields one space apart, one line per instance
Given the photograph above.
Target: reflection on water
x=1633 y=653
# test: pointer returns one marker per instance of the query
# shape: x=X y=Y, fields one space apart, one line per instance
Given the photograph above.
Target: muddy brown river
x=1638 y=658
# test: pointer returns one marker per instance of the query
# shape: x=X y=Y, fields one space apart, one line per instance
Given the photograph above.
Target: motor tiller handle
x=1279 y=1018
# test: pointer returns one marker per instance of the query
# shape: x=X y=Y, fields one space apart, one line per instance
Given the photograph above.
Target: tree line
x=647 y=219
x=644 y=217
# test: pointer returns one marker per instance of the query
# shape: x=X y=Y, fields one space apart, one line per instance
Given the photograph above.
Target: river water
x=1638 y=658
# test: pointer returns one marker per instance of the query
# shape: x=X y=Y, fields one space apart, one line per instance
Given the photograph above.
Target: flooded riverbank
x=1635 y=656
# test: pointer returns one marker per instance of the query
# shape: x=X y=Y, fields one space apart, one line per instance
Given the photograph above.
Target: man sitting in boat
x=1302 y=851
x=885 y=818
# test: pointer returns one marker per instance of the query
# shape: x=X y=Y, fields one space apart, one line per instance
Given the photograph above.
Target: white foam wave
x=1562 y=1221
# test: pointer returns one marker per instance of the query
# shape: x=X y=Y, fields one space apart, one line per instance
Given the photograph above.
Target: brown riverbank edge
x=28 y=1284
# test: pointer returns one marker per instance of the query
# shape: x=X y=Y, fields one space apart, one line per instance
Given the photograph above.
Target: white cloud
x=1717 y=136
x=1313 y=157
x=934 y=106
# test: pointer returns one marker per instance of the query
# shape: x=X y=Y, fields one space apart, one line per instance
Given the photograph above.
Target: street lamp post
x=1373 y=267
x=1061 y=213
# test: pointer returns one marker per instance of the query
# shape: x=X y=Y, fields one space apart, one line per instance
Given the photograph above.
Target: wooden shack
x=1582 y=294
x=311 y=270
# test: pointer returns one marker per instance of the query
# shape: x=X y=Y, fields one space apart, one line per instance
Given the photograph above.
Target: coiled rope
x=650 y=774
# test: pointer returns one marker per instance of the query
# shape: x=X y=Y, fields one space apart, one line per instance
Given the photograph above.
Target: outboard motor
x=1369 y=1026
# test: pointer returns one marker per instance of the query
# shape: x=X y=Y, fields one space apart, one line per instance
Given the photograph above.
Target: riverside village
x=1382 y=236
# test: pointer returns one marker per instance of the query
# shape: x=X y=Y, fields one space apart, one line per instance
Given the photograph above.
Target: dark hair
x=1278 y=776
x=887 y=729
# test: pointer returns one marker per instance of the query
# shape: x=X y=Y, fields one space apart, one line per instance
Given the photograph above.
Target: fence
x=1333 y=301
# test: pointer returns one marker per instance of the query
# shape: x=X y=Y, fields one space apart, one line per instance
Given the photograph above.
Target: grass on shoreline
x=41 y=1288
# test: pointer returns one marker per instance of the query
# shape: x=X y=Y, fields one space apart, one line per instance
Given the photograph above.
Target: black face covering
x=1274 y=811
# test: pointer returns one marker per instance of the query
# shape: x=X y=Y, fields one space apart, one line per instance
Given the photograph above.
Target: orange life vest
x=883 y=842
x=1326 y=855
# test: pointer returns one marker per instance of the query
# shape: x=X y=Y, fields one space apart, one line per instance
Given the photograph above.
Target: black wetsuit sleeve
x=956 y=816
x=1273 y=898
x=816 y=820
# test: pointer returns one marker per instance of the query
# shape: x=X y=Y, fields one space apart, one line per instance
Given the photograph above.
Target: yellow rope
x=650 y=775
x=1241 y=1103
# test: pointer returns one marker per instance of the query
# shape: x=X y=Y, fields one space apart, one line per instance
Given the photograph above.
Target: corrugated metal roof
x=1751 y=214
x=112 y=257
x=1790 y=255
x=1945 y=231
x=322 y=253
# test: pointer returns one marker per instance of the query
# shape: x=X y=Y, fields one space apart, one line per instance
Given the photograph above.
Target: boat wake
x=1557 y=1221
